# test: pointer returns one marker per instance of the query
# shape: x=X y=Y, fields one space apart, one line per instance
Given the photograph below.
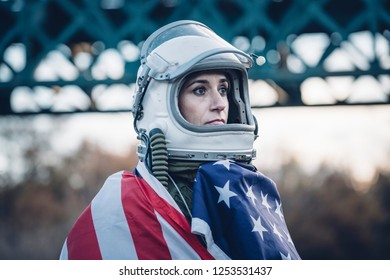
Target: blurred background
x=320 y=91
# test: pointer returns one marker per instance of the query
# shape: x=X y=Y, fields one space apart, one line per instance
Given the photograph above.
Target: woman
x=203 y=98
x=194 y=193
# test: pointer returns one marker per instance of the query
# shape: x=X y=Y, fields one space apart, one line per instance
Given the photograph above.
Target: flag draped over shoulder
x=239 y=212
x=132 y=217
x=236 y=210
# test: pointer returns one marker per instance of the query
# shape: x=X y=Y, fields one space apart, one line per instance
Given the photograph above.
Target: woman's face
x=203 y=99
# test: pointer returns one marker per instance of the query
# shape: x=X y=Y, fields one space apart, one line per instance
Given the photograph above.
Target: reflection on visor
x=178 y=29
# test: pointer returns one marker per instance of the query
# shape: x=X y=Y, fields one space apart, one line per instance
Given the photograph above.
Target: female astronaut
x=194 y=193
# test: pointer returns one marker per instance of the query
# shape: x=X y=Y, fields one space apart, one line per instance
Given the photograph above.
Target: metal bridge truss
x=68 y=56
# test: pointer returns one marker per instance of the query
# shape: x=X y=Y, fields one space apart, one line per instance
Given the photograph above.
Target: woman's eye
x=223 y=91
x=199 y=91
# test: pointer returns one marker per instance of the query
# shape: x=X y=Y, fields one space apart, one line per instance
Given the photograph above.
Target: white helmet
x=168 y=56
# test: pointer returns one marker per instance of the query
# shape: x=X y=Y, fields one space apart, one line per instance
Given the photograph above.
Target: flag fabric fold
x=238 y=210
x=133 y=217
x=237 y=214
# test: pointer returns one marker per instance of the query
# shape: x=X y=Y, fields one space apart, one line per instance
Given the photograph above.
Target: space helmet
x=168 y=56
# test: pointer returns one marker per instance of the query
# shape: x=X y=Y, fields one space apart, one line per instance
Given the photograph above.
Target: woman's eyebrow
x=190 y=83
x=200 y=81
x=224 y=80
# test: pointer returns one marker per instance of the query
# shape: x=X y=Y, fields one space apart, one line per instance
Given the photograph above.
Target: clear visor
x=177 y=47
x=239 y=116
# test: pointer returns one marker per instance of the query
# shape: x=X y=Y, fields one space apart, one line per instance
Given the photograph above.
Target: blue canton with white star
x=243 y=210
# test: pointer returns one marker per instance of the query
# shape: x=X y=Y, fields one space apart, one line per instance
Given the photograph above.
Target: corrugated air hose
x=159 y=156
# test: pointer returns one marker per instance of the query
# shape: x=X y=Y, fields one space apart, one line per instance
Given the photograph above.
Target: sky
x=353 y=139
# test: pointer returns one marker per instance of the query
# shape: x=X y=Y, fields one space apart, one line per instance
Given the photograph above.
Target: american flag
x=239 y=211
x=134 y=217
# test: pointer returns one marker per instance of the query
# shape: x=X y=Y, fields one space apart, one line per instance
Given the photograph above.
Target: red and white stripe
x=133 y=218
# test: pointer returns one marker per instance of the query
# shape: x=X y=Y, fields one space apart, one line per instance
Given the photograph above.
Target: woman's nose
x=218 y=101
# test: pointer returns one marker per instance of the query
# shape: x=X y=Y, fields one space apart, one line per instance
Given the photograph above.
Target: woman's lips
x=215 y=122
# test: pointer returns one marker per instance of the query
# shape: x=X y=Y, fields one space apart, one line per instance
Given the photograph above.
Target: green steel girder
x=70 y=27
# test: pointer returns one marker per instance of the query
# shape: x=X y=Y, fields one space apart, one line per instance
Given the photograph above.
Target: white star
x=251 y=195
x=264 y=201
x=288 y=257
x=275 y=230
x=225 y=194
x=279 y=209
x=288 y=238
x=225 y=163
x=257 y=226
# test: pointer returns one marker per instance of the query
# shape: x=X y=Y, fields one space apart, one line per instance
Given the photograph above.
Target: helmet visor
x=175 y=48
x=175 y=30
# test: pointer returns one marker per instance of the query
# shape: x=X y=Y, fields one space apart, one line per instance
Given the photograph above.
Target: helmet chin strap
x=181 y=196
